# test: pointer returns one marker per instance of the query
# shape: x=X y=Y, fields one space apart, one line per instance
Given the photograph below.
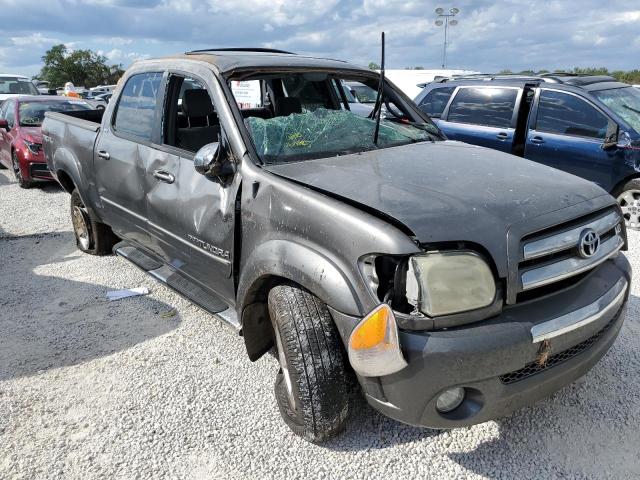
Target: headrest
x=287 y=105
x=197 y=103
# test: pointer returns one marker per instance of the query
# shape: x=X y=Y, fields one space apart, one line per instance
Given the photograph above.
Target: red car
x=21 y=138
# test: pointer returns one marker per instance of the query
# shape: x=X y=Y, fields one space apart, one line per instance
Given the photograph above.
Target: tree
x=81 y=67
x=374 y=66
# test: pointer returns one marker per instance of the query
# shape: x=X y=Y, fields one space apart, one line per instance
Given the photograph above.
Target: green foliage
x=374 y=66
x=81 y=67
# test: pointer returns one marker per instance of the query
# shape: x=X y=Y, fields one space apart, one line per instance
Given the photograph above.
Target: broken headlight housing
x=443 y=283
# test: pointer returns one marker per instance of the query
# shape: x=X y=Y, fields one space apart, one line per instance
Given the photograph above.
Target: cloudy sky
x=490 y=36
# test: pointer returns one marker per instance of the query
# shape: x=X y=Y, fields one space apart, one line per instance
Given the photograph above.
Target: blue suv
x=585 y=125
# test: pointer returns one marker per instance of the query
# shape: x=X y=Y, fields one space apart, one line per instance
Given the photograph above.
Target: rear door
x=122 y=152
x=567 y=132
x=482 y=116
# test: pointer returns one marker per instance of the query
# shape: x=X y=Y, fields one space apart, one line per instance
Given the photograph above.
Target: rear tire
x=15 y=162
x=628 y=197
x=92 y=237
x=312 y=387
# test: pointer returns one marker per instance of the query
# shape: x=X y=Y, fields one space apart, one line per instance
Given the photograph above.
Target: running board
x=166 y=274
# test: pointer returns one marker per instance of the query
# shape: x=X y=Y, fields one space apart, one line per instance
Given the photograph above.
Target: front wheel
x=15 y=162
x=628 y=197
x=92 y=237
x=311 y=387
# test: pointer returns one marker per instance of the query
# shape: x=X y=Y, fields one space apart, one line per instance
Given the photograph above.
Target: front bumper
x=39 y=170
x=496 y=360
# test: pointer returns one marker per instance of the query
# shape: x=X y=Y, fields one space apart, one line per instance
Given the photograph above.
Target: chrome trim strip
x=611 y=300
x=557 y=271
x=568 y=239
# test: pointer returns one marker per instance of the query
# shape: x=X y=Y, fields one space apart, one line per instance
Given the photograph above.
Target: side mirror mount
x=4 y=124
x=211 y=161
x=611 y=138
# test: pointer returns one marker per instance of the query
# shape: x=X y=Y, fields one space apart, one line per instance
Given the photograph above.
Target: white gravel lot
x=94 y=389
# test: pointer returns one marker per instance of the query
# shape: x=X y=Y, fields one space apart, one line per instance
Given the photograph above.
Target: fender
x=304 y=266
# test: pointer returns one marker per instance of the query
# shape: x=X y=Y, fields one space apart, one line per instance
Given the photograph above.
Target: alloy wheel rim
x=282 y=359
x=80 y=227
x=629 y=202
x=16 y=168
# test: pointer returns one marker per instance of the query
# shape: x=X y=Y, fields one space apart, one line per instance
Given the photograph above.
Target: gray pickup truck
x=457 y=283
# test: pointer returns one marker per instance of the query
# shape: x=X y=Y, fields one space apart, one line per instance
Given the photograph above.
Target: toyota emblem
x=589 y=243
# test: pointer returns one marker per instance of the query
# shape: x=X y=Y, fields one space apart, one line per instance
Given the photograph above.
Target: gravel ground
x=96 y=389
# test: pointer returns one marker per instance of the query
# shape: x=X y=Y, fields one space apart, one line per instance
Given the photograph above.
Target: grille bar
x=568 y=239
x=554 y=272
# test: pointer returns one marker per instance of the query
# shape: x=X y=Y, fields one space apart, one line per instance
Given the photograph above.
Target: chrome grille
x=554 y=256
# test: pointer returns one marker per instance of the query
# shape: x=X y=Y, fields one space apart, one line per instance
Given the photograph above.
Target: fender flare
x=65 y=161
x=302 y=265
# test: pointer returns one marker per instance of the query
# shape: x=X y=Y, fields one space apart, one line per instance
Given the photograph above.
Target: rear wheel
x=628 y=197
x=311 y=387
x=92 y=237
x=15 y=163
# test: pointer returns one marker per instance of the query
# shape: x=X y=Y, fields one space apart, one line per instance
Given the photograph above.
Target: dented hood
x=445 y=191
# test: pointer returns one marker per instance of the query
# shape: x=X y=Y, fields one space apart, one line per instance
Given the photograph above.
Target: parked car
x=410 y=80
x=585 y=125
x=103 y=97
x=21 y=138
x=102 y=89
x=458 y=283
x=14 y=85
x=96 y=99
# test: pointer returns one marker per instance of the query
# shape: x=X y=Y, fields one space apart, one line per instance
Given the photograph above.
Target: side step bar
x=182 y=285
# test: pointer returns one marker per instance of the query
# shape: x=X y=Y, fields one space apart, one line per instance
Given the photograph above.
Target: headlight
x=33 y=147
x=442 y=283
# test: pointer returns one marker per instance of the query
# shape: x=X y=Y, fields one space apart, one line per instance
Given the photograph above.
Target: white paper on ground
x=127 y=292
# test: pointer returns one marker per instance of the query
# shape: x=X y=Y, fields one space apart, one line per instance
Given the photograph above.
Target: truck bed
x=69 y=139
x=87 y=119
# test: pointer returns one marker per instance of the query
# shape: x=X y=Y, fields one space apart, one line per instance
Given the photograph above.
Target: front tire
x=15 y=162
x=311 y=387
x=628 y=197
x=92 y=237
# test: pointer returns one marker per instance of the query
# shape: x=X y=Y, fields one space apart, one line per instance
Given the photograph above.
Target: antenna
x=378 y=107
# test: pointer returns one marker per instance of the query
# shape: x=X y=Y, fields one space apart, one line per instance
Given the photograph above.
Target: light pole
x=448 y=20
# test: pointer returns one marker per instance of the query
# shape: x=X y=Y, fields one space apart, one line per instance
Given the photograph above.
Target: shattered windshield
x=32 y=113
x=304 y=116
x=625 y=102
x=322 y=133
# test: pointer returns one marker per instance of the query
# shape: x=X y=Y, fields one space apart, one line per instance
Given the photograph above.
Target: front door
x=567 y=133
x=191 y=216
x=123 y=150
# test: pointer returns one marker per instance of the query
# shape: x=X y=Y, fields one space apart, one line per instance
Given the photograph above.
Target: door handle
x=164 y=176
x=104 y=154
x=502 y=136
x=537 y=139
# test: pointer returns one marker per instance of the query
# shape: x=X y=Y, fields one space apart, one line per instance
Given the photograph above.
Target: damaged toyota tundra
x=455 y=283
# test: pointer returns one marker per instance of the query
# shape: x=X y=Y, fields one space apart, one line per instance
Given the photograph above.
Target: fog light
x=450 y=400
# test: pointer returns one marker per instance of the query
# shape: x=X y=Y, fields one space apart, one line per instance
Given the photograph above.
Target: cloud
x=490 y=36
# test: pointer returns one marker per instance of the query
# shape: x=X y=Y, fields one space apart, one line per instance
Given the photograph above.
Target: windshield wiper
x=635 y=110
x=377 y=109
